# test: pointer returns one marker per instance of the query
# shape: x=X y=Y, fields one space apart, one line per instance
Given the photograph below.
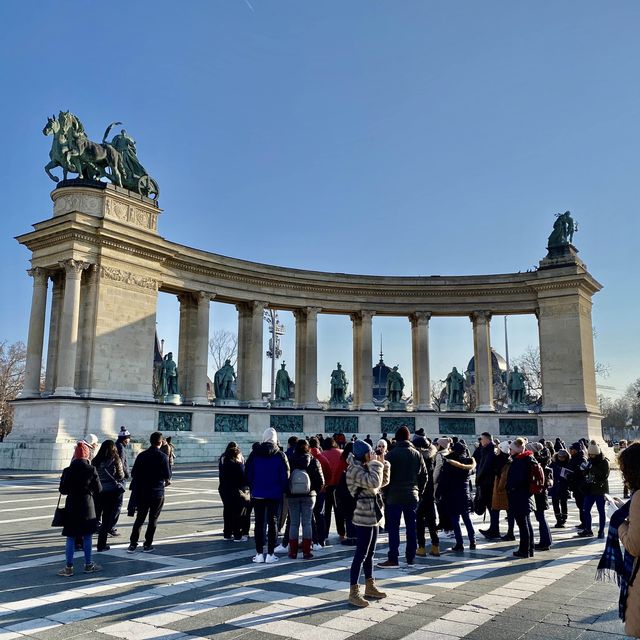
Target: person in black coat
x=80 y=483
x=559 y=491
x=234 y=493
x=109 y=467
x=577 y=466
x=486 y=473
x=541 y=500
x=521 y=502
x=151 y=473
x=453 y=493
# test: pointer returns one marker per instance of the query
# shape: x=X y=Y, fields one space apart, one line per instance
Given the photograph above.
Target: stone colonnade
x=107 y=262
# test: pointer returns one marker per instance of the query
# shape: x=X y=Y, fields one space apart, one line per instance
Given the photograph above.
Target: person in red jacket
x=333 y=456
x=319 y=529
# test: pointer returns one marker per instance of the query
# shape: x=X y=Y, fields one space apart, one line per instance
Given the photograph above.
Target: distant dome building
x=498 y=369
x=380 y=375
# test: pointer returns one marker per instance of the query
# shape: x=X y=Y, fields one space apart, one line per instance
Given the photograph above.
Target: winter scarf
x=614 y=566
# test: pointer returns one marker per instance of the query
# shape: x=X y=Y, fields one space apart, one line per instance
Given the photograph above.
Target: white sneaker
x=258 y=558
x=281 y=549
x=271 y=558
x=318 y=547
x=243 y=539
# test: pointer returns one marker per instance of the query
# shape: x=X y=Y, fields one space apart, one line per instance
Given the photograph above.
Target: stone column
x=186 y=350
x=301 y=355
x=33 y=365
x=200 y=355
x=482 y=359
x=567 y=359
x=362 y=360
x=310 y=381
x=250 y=346
x=57 y=292
x=68 y=342
x=420 y=360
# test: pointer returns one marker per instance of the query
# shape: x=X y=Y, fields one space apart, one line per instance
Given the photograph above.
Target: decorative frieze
x=345 y=424
x=227 y=423
x=286 y=424
x=130 y=214
x=174 y=421
x=390 y=424
x=457 y=426
x=80 y=202
x=126 y=277
x=518 y=427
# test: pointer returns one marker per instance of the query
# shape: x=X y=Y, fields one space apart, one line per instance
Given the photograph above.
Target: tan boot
x=371 y=591
x=435 y=550
x=355 y=598
x=421 y=552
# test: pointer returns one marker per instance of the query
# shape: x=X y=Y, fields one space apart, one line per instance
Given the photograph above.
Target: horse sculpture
x=75 y=153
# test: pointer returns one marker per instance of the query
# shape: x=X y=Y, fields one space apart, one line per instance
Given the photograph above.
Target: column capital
x=312 y=311
x=480 y=316
x=419 y=317
x=74 y=268
x=204 y=296
x=39 y=275
x=362 y=316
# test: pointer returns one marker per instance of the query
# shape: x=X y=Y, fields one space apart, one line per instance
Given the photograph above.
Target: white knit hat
x=270 y=435
x=504 y=446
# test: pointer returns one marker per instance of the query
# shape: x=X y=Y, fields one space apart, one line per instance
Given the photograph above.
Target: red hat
x=82 y=451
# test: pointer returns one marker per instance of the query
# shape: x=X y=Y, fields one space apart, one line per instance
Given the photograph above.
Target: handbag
x=378 y=506
x=119 y=485
x=58 y=515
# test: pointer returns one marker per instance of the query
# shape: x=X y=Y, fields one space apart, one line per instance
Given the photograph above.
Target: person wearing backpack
x=520 y=495
x=541 y=498
x=267 y=472
x=366 y=475
x=596 y=485
x=305 y=481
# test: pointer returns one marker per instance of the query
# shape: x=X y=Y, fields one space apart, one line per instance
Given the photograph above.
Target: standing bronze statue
x=169 y=376
x=516 y=387
x=395 y=386
x=283 y=383
x=339 y=384
x=223 y=382
x=455 y=389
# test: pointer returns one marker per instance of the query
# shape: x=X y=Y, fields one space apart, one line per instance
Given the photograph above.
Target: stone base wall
x=46 y=430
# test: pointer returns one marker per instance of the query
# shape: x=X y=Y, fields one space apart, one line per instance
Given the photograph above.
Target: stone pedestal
x=172 y=398
x=455 y=407
x=283 y=404
x=397 y=406
x=226 y=402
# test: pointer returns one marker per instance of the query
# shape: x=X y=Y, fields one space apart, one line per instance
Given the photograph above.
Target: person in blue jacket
x=267 y=472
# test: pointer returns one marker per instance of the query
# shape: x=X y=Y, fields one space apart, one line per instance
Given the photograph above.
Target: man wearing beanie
x=596 y=485
x=407 y=482
x=485 y=480
x=267 y=472
x=122 y=442
x=577 y=465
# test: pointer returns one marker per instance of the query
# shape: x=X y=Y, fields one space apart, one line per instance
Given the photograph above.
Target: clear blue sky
x=413 y=137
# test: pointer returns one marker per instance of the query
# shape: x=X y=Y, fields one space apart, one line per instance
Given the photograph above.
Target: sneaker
x=132 y=548
x=258 y=558
x=243 y=539
x=92 y=567
x=517 y=554
x=410 y=563
x=558 y=525
x=114 y=533
x=388 y=564
x=148 y=548
x=105 y=548
x=67 y=572
x=472 y=545
x=229 y=538
x=271 y=558
x=281 y=549
x=317 y=547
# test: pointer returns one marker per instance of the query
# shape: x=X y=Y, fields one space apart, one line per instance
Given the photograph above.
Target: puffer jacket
x=267 y=472
x=368 y=479
x=110 y=473
x=596 y=476
x=453 y=493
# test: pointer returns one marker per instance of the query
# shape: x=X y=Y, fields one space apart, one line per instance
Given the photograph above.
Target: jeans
x=525 y=529
x=70 y=547
x=426 y=517
x=329 y=504
x=266 y=511
x=319 y=531
x=366 y=538
x=457 y=530
x=589 y=501
x=543 y=527
x=108 y=503
x=301 y=512
x=118 y=507
x=409 y=512
x=151 y=506
x=560 y=509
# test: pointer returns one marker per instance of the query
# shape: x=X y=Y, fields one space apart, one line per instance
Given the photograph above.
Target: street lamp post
x=276 y=329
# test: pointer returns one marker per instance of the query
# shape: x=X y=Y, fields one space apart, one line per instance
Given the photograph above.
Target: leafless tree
x=438 y=396
x=223 y=346
x=12 y=363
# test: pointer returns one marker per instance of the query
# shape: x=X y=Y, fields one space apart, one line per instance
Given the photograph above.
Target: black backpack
x=345 y=502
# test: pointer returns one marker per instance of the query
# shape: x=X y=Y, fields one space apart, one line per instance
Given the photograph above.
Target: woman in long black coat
x=233 y=491
x=521 y=502
x=453 y=493
x=80 y=483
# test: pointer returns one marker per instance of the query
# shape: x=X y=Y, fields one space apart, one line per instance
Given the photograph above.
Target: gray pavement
x=197 y=585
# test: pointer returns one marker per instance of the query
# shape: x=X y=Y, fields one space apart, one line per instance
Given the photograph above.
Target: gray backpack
x=299 y=483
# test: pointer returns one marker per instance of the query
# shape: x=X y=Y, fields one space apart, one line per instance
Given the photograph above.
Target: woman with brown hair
x=109 y=467
x=624 y=528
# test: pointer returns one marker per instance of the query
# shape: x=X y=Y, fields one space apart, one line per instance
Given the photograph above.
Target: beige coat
x=369 y=479
x=629 y=533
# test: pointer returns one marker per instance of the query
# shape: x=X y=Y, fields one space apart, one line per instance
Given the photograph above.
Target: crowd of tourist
x=294 y=493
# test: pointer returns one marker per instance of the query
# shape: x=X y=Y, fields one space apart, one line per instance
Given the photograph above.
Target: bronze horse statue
x=75 y=153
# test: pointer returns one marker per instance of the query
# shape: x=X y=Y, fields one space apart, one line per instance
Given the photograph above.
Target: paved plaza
x=197 y=585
